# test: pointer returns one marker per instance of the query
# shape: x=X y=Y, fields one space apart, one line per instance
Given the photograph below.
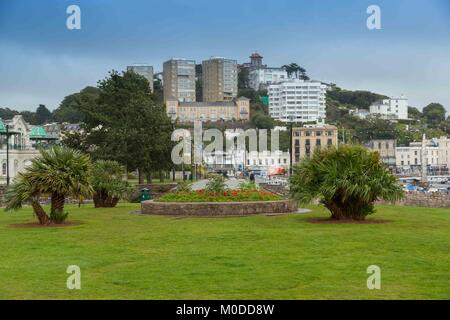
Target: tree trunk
x=57 y=203
x=161 y=176
x=39 y=212
x=141 y=176
x=149 y=178
x=103 y=200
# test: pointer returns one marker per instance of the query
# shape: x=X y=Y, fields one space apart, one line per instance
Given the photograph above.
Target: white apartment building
x=436 y=153
x=297 y=100
x=391 y=109
x=261 y=78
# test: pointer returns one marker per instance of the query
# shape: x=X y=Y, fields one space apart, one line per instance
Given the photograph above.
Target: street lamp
x=291 y=120
x=173 y=118
x=4 y=131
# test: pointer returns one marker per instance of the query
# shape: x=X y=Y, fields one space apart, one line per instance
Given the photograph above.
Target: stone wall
x=217 y=208
x=277 y=189
x=2 y=192
x=420 y=199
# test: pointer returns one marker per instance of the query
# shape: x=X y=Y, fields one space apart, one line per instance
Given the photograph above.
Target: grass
x=125 y=256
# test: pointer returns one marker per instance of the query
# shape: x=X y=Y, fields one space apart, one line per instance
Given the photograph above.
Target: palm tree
x=107 y=182
x=57 y=172
x=347 y=181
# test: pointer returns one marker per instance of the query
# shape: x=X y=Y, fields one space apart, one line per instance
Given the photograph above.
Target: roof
x=38 y=133
x=208 y=104
x=256 y=55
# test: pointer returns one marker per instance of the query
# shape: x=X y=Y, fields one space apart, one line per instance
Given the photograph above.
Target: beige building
x=306 y=139
x=179 y=80
x=144 y=70
x=220 y=79
x=238 y=109
x=386 y=149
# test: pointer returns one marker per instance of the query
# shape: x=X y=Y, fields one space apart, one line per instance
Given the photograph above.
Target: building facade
x=386 y=148
x=179 y=80
x=186 y=112
x=432 y=152
x=391 y=109
x=297 y=100
x=24 y=141
x=144 y=70
x=309 y=138
x=220 y=79
x=263 y=77
x=266 y=160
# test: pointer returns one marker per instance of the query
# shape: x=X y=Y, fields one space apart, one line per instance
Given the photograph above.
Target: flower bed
x=225 y=196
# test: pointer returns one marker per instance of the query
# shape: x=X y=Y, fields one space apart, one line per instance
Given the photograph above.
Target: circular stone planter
x=217 y=208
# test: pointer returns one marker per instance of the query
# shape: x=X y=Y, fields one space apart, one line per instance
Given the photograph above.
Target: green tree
x=347 y=181
x=128 y=125
x=69 y=109
x=434 y=114
x=43 y=115
x=58 y=172
x=414 y=113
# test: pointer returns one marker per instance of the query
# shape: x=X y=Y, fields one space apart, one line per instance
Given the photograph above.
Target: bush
x=108 y=183
x=184 y=186
x=247 y=186
x=216 y=184
x=347 y=180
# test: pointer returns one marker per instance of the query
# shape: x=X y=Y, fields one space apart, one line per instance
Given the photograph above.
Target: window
x=318 y=142
x=4 y=168
x=329 y=142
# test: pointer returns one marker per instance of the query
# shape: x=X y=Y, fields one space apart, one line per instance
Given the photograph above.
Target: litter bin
x=145 y=194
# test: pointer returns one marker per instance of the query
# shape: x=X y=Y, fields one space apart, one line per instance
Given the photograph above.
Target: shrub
x=107 y=181
x=247 y=185
x=347 y=180
x=216 y=184
x=184 y=186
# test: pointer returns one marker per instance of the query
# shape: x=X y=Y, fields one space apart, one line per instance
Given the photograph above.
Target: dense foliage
x=347 y=181
x=108 y=184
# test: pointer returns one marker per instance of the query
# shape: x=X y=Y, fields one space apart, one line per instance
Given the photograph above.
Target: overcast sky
x=41 y=61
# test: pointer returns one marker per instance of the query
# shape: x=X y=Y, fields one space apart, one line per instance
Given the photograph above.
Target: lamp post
x=5 y=131
x=172 y=115
x=291 y=119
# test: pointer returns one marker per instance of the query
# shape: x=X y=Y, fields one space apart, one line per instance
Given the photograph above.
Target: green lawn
x=124 y=256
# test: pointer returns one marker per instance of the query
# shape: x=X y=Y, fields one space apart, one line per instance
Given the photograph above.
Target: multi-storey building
x=263 y=77
x=386 y=149
x=266 y=160
x=179 y=80
x=297 y=101
x=220 y=79
x=309 y=138
x=144 y=70
x=237 y=109
x=434 y=152
x=391 y=109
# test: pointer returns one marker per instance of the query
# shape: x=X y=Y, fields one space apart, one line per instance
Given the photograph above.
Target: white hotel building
x=299 y=100
x=436 y=153
x=263 y=77
x=391 y=109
